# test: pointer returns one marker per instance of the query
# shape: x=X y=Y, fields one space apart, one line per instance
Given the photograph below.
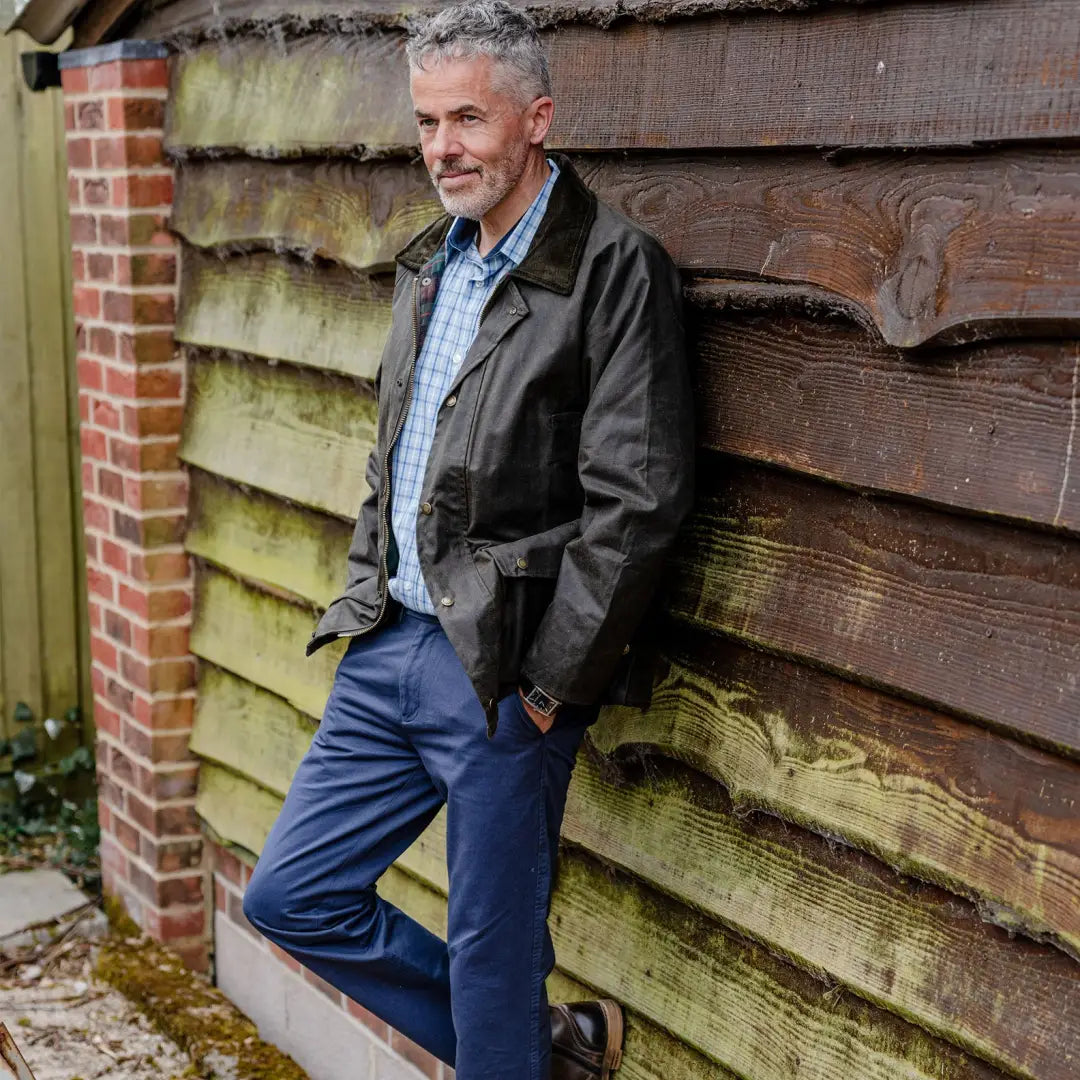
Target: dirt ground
x=71 y=1026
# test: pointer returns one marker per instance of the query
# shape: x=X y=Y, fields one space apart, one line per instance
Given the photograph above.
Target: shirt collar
x=513 y=247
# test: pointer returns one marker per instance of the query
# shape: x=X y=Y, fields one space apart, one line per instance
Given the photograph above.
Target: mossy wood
x=841 y=915
x=922 y=790
x=936 y=797
x=302 y=435
x=725 y=997
x=732 y=80
x=979 y=617
x=185 y=20
x=986 y=428
x=357 y=214
x=261 y=638
x=906 y=237
x=41 y=598
x=266 y=539
x=280 y=307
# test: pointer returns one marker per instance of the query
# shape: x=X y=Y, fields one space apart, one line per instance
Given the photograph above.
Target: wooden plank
x=900 y=240
x=318 y=316
x=356 y=213
x=268 y=540
x=51 y=362
x=239 y=811
x=21 y=676
x=261 y=638
x=987 y=428
x=839 y=914
x=978 y=617
x=925 y=246
x=935 y=797
x=729 y=81
x=250 y=731
x=300 y=435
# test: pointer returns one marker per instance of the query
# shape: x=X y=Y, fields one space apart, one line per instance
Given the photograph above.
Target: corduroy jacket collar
x=555 y=254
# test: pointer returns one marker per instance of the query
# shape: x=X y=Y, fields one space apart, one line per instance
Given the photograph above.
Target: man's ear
x=538 y=119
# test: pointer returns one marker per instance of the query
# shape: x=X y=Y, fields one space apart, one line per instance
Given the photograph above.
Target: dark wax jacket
x=561 y=466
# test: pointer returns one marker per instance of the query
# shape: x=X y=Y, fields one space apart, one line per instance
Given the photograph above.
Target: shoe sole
x=613 y=1014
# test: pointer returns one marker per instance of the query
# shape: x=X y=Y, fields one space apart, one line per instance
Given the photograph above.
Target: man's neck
x=500 y=219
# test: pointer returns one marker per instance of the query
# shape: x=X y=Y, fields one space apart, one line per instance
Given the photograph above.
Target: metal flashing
x=128 y=49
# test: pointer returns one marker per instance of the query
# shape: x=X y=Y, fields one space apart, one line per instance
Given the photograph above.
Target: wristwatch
x=537 y=699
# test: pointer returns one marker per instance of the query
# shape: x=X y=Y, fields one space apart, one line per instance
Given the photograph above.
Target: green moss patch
x=222 y=1043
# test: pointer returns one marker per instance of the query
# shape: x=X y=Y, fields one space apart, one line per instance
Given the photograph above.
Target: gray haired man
x=532 y=466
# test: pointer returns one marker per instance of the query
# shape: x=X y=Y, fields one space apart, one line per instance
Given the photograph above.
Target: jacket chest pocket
x=565 y=430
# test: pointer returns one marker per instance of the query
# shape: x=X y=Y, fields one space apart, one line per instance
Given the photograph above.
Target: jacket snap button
x=451 y=401
x=425 y=508
x=425 y=281
x=625 y=649
x=522 y=563
x=447 y=601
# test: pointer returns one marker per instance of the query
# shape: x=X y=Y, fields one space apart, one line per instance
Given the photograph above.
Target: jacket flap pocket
x=539 y=555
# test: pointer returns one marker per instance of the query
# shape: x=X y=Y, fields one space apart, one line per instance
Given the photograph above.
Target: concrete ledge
x=115 y=50
x=290 y=1013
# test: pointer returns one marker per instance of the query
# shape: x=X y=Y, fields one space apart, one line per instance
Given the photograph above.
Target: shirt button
x=522 y=563
x=425 y=508
x=451 y=401
x=447 y=601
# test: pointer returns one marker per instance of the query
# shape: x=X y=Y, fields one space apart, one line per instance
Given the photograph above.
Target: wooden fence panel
x=41 y=594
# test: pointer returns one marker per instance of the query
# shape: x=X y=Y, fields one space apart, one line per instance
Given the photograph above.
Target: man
x=533 y=464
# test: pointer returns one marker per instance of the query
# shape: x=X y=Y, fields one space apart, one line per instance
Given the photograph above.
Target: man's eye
x=426 y=124
x=468 y=118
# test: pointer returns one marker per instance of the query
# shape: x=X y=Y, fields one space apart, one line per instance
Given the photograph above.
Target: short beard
x=497 y=180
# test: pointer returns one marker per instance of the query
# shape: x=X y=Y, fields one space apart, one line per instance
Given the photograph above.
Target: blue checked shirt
x=467 y=282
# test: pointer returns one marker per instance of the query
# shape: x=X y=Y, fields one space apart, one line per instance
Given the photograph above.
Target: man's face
x=475 y=137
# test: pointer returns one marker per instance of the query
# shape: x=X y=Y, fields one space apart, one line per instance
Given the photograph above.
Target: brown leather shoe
x=586 y=1040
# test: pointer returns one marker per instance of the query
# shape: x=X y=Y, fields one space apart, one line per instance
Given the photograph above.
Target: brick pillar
x=131 y=399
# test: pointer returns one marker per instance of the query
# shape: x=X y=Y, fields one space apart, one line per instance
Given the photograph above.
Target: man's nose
x=446 y=143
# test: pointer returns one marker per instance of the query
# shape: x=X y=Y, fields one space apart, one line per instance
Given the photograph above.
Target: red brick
x=111 y=484
x=227 y=864
x=135 y=230
x=84 y=229
x=135 y=113
x=86 y=301
x=118 y=627
x=159 y=382
x=166 y=925
x=126 y=833
x=149 y=532
x=69 y=115
x=140 y=456
x=90 y=373
x=105 y=414
x=366 y=1017
x=79 y=154
x=93 y=614
x=149 y=493
x=147 y=73
x=100 y=266
x=110 y=792
x=87 y=467
x=105 y=817
x=155 y=604
x=95 y=191
x=103 y=652
x=147 y=347
x=146 y=269
x=142 y=191
x=97 y=681
x=331 y=991
x=120 y=382
x=171 y=855
x=78 y=266
x=99 y=583
x=112 y=554
x=194 y=954
x=92 y=443
x=219 y=896
x=153 y=419
x=425 y=1062
x=74 y=192
x=90 y=543
x=127 y=151
x=103 y=342
x=170 y=714
x=171 y=784
x=290 y=962
x=90 y=116
x=121 y=767
x=141 y=309
x=120 y=697
x=157 y=747
x=95 y=514
x=164 y=892
x=75 y=80
x=106 y=720
x=161 y=642
x=106 y=76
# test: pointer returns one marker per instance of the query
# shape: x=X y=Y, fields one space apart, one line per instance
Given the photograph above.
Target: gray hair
x=485 y=28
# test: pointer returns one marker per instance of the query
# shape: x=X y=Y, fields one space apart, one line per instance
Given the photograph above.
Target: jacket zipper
x=384 y=513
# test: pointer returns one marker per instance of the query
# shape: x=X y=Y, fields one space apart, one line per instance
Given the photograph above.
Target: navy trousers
x=402 y=734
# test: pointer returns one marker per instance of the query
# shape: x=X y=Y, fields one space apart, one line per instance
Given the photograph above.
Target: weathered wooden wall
x=843 y=844
x=40 y=591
